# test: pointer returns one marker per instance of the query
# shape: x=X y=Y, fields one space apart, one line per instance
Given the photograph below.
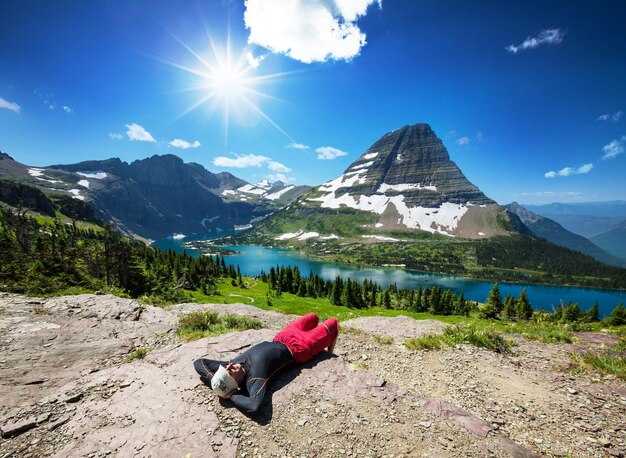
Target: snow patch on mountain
x=404 y=187
x=83 y=183
x=95 y=175
x=76 y=194
x=308 y=235
x=35 y=172
x=442 y=219
x=370 y=155
x=277 y=194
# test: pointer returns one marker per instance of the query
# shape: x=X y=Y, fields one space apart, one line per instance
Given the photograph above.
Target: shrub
x=138 y=353
x=458 y=334
x=195 y=325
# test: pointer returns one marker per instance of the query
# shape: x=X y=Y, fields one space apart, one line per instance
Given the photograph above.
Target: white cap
x=222 y=383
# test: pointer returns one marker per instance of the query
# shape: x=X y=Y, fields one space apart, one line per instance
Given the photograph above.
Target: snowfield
x=277 y=194
x=94 y=175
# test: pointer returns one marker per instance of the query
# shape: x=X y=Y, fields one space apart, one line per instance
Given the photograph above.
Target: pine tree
x=593 y=314
x=524 y=309
x=387 y=299
x=493 y=306
x=509 y=311
x=571 y=313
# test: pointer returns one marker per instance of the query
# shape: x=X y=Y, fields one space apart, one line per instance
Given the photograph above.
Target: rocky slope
x=557 y=234
x=158 y=196
x=404 y=181
x=68 y=390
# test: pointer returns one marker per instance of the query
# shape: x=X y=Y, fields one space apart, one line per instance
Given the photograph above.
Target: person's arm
x=251 y=404
x=207 y=368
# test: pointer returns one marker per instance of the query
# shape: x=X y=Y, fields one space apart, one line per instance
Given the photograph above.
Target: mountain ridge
x=557 y=234
x=157 y=196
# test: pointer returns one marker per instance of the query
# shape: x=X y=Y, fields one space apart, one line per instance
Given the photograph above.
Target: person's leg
x=304 y=323
x=325 y=335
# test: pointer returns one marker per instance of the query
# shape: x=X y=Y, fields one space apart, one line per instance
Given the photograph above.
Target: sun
x=227 y=83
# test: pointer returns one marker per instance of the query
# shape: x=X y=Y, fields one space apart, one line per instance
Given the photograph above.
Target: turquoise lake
x=252 y=259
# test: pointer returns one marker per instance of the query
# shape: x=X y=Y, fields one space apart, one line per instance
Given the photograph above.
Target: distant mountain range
x=158 y=196
x=552 y=231
x=604 y=223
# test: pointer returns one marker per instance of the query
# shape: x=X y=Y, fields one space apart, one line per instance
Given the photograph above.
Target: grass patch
x=138 y=353
x=196 y=325
x=553 y=333
x=453 y=335
x=383 y=340
x=604 y=363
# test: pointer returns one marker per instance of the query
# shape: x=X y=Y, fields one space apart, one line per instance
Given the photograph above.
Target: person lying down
x=244 y=379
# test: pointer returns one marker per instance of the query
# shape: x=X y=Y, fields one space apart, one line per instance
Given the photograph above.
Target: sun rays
x=227 y=84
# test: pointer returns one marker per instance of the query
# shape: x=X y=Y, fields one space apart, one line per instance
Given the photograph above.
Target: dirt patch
x=400 y=327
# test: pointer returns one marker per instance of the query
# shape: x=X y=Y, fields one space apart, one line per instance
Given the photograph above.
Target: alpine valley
x=402 y=203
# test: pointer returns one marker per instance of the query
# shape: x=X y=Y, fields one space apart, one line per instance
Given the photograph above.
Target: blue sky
x=527 y=96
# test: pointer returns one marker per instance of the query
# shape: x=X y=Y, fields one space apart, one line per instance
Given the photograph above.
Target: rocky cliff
x=406 y=181
x=68 y=389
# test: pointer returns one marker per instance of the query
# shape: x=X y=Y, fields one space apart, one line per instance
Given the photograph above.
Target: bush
x=195 y=325
x=605 y=363
x=138 y=353
x=459 y=334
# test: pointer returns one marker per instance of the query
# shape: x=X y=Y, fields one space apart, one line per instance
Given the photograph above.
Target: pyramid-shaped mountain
x=407 y=179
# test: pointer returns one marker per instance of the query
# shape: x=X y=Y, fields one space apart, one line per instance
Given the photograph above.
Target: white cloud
x=138 y=134
x=254 y=61
x=328 y=152
x=567 y=171
x=307 y=30
x=10 y=105
x=297 y=146
x=67 y=109
x=463 y=141
x=548 y=36
x=613 y=117
x=280 y=177
x=278 y=167
x=452 y=133
x=183 y=144
x=241 y=161
x=614 y=149
x=115 y=136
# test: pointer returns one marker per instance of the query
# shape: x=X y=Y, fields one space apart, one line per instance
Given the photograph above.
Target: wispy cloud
x=278 y=167
x=280 y=177
x=480 y=137
x=183 y=144
x=242 y=161
x=307 y=31
x=10 y=105
x=137 y=133
x=611 y=117
x=68 y=109
x=452 y=133
x=328 y=152
x=116 y=136
x=567 y=171
x=547 y=36
x=297 y=146
x=614 y=149
x=463 y=141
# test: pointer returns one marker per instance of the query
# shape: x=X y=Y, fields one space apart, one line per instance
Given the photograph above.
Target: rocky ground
x=67 y=389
